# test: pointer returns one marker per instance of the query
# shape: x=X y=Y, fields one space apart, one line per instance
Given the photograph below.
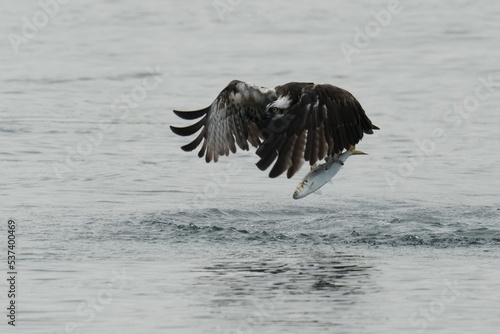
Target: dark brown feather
x=188 y=130
x=317 y=121
x=236 y=117
x=192 y=114
x=194 y=144
x=297 y=155
x=329 y=119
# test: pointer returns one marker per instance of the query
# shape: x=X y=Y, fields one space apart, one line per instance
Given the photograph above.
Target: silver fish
x=320 y=175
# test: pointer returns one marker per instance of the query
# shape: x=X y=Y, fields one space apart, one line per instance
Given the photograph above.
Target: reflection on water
x=335 y=275
x=287 y=292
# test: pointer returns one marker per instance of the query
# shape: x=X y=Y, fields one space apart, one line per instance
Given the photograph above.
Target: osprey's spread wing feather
x=298 y=122
x=236 y=117
x=319 y=121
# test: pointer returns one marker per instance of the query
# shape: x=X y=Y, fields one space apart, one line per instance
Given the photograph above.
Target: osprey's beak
x=268 y=112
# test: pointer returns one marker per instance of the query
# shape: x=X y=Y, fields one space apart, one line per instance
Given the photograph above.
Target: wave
x=441 y=228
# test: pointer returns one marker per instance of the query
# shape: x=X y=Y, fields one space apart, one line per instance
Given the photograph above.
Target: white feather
x=282 y=103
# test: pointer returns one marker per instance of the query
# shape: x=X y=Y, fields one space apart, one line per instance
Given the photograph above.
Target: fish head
x=303 y=189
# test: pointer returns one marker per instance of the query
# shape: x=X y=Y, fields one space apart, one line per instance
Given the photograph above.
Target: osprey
x=290 y=124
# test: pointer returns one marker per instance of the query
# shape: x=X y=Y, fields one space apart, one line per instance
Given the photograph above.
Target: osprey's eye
x=275 y=109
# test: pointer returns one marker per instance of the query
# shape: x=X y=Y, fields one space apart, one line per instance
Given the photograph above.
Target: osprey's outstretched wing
x=237 y=116
x=317 y=121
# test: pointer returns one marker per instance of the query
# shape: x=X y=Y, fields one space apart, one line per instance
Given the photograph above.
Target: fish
x=322 y=174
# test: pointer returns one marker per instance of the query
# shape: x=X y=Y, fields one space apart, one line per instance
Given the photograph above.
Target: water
x=120 y=230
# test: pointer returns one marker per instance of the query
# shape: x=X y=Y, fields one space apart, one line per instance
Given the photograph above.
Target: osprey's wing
x=237 y=116
x=324 y=121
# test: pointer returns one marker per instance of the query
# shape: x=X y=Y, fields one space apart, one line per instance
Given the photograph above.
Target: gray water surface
x=121 y=231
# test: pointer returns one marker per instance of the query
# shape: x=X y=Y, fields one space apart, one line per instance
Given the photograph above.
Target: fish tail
x=354 y=151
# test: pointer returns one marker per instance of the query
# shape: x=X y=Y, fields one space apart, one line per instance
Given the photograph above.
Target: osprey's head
x=275 y=114
x=278 y=106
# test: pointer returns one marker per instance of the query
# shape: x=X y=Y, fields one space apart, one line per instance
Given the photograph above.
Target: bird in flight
x=290 y=124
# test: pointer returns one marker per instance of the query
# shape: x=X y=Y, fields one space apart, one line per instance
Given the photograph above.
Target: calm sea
x=120 y=231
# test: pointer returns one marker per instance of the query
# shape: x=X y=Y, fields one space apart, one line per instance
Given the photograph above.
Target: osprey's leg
x=336 y=159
